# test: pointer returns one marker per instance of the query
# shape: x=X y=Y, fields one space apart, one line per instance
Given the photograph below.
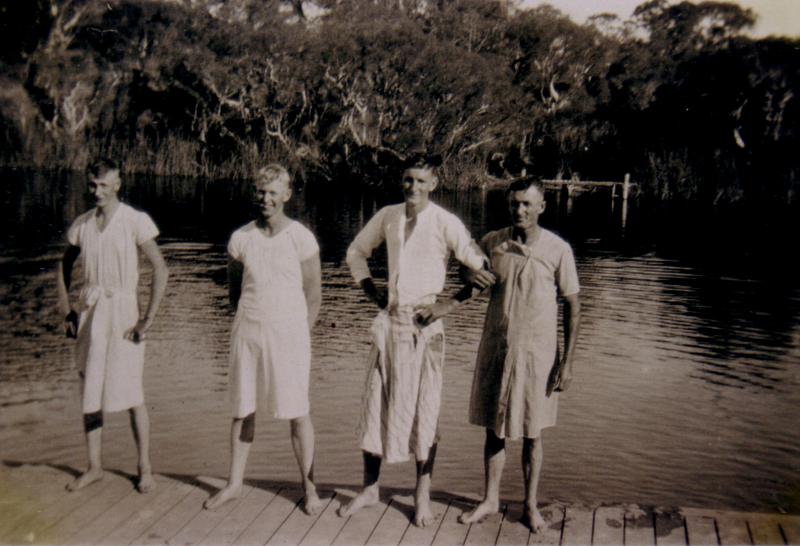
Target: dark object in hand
x=71 y=324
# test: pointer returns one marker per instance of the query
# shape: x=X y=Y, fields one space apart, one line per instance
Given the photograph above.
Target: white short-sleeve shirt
x=110 y=257
x=272 y=282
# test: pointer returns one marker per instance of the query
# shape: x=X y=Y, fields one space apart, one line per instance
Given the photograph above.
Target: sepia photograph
x=330 y=272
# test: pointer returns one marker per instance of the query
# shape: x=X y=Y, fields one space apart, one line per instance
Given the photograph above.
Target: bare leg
x=370 y=494
x=494 y=459
x=423 y=515
x=303 y=445
x=93 y=426
x=140 y=424
x=531 y=467
x=242 y=434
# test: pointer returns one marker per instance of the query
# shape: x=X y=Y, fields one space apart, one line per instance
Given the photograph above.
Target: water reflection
x=687 y=382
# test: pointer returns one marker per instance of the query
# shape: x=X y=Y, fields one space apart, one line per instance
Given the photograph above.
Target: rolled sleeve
x=362 y=246
x=460 y=242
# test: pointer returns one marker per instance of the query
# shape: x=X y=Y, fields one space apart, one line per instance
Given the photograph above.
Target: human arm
x=63 y=283
x=367 y=240
x=572 y=321
x=474 y=272
x=235 y=275
x=158 y=286
x=312 y=287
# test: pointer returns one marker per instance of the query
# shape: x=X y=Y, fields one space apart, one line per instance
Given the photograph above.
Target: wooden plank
x=32 y=515
x=670 y=528
x=150 y=513
x=423 y=536
x=578 y=522
x=790 y=526
x=88 y=510
x=764 y=529
x=393 y=524
x=327 y=525
x=609 y=526
x=206 y=520
x=30 y=494
x=450 y=530
x=512 y=531
x=360 y=525
x=298 y=524
x=239 y=519
x=732 y=530
x=701 y=530
x=115 y=516
x=553 y=515
x=272 y=517
x=174 y=520
x=639 y=528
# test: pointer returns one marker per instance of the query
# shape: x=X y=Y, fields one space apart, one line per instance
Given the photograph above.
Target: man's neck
x=273 y=224
x=108 y=209
x=412 y=211
x=526 y=235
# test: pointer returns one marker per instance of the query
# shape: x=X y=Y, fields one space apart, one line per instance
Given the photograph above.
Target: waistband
x=90 y=295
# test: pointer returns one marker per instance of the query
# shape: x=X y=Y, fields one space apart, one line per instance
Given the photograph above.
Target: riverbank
x=36 y=509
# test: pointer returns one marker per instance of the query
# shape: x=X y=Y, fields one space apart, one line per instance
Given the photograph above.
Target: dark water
x=688 y=373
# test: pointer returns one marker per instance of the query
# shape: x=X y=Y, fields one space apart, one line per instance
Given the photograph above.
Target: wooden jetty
x=36 y=509
x=567 y=188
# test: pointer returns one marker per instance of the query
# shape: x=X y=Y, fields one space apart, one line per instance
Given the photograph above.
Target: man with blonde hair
x=274 y=284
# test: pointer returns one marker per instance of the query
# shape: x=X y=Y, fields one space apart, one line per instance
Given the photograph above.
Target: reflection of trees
x=676 y=95
x=735 y=331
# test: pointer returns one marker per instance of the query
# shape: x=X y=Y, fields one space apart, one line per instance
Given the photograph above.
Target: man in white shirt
x=109 y=329
x=402 y=395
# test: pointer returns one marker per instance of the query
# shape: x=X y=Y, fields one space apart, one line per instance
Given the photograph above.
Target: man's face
x=269 y=197
x=525 y=207
x=103 y=189
x=418 y=183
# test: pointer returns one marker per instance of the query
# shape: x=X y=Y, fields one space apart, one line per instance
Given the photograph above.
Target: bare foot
x=146 y=482
x=480 y=513
x=368 y=497
x=227 y=493
x=423 y=515
x=311 y=503
x=532 y=519
x=85 y=479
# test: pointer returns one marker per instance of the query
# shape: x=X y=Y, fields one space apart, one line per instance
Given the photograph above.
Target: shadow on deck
x=35 y=508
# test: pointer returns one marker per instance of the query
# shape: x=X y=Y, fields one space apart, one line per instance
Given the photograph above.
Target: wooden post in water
x=626 y=187
x=613 y=199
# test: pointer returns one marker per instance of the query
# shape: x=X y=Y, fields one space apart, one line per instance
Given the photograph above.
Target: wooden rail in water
x=35 y=509
x=567 y=188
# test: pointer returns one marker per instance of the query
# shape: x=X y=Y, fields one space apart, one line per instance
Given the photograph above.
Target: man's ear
x=542 y=206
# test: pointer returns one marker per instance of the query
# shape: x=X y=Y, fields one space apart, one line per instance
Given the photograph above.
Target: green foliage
x=346 y=88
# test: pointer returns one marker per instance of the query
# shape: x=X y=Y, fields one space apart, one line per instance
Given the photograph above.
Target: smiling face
x=525 y=207
x=269 y=196
x=103 y=189
x=418 y=183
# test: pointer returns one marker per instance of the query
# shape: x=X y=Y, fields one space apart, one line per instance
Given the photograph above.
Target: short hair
x=422 y=160
x=273 y=172
x=102 y=165
x=525 y=183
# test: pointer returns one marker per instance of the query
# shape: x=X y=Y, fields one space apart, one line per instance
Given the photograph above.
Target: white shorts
x=275 y=355
x=111 y=366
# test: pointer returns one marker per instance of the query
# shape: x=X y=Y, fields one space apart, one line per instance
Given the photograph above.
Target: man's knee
x=92 y=421
x=248 y=431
